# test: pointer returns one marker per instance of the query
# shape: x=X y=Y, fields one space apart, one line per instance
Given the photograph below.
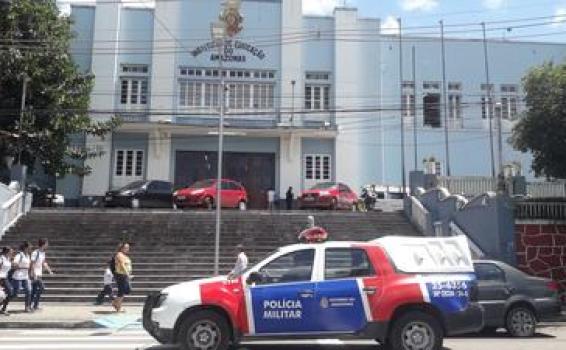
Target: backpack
x=112 y=265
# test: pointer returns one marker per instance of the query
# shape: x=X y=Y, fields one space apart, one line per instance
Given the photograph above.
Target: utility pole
x=23 y=168
x=414 y=57
x=229 y=24
x=444 y=100
x=489 y=103
x=402 y=122
x=293 y=82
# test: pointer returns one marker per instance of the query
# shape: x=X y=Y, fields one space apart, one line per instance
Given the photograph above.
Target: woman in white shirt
x=20 y=278
x=5 y=284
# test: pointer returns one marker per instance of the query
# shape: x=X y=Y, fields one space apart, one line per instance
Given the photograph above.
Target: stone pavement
x=73 y=316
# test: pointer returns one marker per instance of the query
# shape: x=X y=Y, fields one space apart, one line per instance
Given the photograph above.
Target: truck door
x=283 y=302
x=342 y=298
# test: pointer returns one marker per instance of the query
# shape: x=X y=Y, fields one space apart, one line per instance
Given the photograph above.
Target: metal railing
x=467 y=185
x=546 y=189
x=540 y=210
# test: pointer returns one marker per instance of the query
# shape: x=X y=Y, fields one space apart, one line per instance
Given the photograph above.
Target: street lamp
x=228 y=25
x=293 y=82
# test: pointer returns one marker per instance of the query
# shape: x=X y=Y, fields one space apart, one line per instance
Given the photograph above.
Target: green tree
x=542 y=130
x=35 y=43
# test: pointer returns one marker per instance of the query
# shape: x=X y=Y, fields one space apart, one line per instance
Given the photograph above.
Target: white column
x=164 y=67
x=289 y=164
x=291 y=56
x=159 y=156
x=98 y=181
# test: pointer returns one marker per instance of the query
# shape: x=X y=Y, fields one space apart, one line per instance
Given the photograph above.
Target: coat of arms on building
x=232 y=18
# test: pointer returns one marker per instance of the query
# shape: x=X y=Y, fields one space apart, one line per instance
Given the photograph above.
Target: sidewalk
x=73 y=316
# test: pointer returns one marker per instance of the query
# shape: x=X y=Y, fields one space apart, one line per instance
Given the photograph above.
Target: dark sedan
x=141 y=194
x=514 y=300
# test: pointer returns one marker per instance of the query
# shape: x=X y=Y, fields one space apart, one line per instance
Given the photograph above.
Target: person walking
x=289 y=198
x=38 y=263
x=107 y=289
x=122 y=275
x=20 y=278
x=241 y=263
x=5 y=284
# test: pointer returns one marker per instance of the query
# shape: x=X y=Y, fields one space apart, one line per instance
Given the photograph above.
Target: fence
x=11 y=211
x=546 y=189
x=541 y=210
x=467 y=185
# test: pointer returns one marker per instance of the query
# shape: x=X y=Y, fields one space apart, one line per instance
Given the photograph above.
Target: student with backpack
x=20 y=277
x=122 y=266
x=5 y=284
x=38 y=263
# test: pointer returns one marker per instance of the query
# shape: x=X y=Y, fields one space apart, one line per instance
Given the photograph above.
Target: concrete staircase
x=172 y=246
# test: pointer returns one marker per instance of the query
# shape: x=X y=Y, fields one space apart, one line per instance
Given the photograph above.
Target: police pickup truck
x=406 y=293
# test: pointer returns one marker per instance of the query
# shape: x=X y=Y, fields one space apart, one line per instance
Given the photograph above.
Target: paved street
x=549 y=338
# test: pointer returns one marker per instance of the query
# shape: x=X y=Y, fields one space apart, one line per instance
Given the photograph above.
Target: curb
x=50 y=325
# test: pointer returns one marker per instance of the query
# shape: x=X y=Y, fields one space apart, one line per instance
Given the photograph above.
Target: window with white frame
x=318 y=167
x=509 y=100
x=487 y=107
x=129 y=163
x=134 y=86
x=455 y=117
x=199 y=88
x=317 y=91
x=408 y=99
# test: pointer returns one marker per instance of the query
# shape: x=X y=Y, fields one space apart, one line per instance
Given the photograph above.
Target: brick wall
x=541 y=249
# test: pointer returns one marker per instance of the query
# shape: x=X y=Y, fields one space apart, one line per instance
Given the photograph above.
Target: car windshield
x=133 y=185
x=202 y=184
x=323 y=186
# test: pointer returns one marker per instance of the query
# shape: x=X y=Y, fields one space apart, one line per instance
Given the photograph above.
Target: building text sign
x=230 y=48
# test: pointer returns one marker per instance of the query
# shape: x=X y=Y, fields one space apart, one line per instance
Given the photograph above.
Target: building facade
x=308 y=99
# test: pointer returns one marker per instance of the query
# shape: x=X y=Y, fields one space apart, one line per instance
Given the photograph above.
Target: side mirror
x=254 y=278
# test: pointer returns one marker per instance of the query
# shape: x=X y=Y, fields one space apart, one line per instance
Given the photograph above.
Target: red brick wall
x=541 y=250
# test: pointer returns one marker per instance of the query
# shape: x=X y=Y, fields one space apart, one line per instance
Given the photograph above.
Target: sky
x=417 y=13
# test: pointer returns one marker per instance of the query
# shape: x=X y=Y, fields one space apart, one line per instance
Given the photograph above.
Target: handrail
x=419 y=216
x=12 y=210
x=540 y=210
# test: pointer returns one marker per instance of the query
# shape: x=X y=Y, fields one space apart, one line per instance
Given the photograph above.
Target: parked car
x=203 y=194
x=514 y=300
x=141 y=194
x=328 y=195
x=365 y=290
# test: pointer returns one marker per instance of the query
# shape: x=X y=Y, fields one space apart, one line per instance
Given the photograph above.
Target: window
x=486 y=107
x=431 y=85
x=455 y=110
x=135 y=68
x=129 y=163
x=408 y=104
x=293 y=267
x=509 y=98
x=431 y=104
x=455 y=86
x=346 y=263
x=133 y=92
x=317 y=167
x=317 y=97
x=432 y=167
x=489 y=272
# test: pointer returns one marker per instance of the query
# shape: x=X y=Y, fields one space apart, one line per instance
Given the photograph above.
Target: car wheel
x=208 y=204
x=204 y=330
x=415 y=330
x=243 y=206
x=521 y=322
x=334 y=204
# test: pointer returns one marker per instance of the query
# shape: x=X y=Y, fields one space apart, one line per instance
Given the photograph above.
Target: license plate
x=182 y=198
x=309 y=199
x=108 y=199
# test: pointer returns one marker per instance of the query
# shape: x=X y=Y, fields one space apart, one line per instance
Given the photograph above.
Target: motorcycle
x=369 y=198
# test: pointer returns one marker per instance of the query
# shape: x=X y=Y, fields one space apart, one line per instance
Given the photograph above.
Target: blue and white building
x=309 y=99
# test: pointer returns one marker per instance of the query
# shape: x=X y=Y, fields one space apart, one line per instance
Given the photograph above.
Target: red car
x=329 y=195
x=203 y=194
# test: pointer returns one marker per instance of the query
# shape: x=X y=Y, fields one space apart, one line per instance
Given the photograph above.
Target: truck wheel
x=521 y=322
x=415 y=330
x=204 y=330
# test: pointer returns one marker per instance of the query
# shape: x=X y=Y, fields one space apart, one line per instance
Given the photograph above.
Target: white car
x=404 y=292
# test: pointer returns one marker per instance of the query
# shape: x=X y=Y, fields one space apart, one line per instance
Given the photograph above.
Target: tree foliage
x=542 y=130
x=35 y=42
